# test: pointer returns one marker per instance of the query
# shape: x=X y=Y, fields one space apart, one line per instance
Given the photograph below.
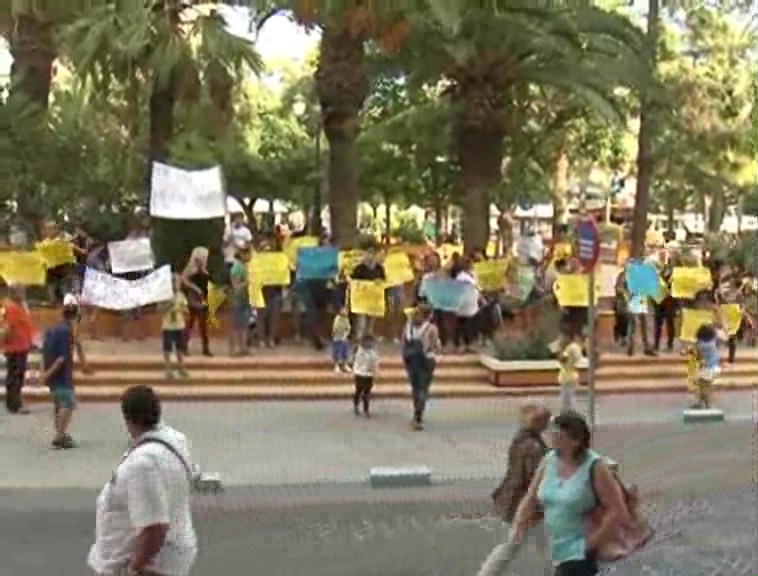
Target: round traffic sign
x=588 y=242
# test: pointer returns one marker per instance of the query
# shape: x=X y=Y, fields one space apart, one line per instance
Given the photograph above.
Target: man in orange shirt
x=16 y=340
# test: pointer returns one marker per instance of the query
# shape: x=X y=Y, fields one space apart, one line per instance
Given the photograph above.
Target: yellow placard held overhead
x=692 y=320
x=397 y=269
x=292 y=245
x=25 y=268
x=687 y=282
x=216 y=297
x=490 y=274
x=731 y=316
x=56 y=253
x=270 y=269
x=348 y=260
x=367 y=298
x=573 y=291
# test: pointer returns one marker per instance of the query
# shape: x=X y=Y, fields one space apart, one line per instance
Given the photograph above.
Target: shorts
x=63 y=398
x=240 y=316
x=173 y=340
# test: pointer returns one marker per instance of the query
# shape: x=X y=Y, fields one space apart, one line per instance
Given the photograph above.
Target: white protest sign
x=105 y=291
x=111 y=293
x=130 y=255
x=154 y=288
x=178 y=194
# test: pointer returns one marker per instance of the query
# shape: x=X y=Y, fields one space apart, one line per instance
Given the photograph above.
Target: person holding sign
x=16 y=334
x=465 y=330
x=368 y=270
x=195 y=282
x=58 y=273
x=173 y=328
x=420 y=343
x=239 y=304
x=272 y=289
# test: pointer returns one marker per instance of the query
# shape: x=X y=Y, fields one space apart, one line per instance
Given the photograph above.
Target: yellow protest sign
x=692 y=320
x=216 y=297
x=56 y=252
x=292 y=245
x=491 y=249
x=446 y=251
x=270 y=269
x=348 y=260
x=687 y=282
x=367 y=298
x=731 y=316
x=573 y=291
x=490 y=274
x=397 y=269
x=256 y=295
x=25 y=268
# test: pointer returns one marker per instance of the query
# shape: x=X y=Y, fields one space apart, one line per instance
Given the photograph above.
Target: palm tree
x=172 y=48
x=488 y=57
x=645 y=137
x=342 y=84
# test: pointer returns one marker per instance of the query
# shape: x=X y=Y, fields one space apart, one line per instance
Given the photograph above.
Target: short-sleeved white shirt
x=234 y=239
x=149 y=487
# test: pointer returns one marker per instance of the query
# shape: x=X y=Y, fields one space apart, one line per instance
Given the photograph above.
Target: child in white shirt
x=365 y=366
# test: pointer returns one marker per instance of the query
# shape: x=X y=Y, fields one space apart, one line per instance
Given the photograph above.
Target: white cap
x=70 y=300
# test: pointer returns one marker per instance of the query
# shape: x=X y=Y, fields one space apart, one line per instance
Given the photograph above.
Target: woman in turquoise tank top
x=563 y=488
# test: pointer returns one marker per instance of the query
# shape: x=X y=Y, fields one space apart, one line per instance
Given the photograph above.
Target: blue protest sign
x=447 y=294
x=642 y=278
x=317 y=262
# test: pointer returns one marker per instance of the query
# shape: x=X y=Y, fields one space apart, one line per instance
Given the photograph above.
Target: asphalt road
x=443 y=533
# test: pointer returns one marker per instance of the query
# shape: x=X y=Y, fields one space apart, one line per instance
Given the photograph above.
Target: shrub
x=533 y=347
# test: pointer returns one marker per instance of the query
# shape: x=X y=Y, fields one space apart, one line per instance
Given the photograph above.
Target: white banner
x=178 y=194
x=111 y=293
x=131 y=256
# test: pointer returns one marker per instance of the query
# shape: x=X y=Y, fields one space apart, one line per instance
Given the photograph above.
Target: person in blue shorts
x=57 y=373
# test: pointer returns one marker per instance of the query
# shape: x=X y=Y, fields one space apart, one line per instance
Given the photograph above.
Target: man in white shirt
x=236 y=237
x=144 y=522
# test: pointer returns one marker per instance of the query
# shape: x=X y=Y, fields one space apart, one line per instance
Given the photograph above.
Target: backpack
x=630 y=535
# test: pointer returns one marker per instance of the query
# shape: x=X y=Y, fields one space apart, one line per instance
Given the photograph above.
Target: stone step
x=189 y=392
x=271 y=378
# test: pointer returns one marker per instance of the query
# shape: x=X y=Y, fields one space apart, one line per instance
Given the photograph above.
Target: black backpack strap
x=168 y=447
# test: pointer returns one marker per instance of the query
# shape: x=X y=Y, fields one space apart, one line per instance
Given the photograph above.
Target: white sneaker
x=337 y=368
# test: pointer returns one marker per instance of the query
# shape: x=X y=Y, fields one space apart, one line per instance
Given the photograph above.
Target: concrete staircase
x=276 y=377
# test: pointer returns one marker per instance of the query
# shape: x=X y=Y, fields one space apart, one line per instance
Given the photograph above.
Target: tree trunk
x=645 y=140
x=342 y=85
x=716 y=211
x=437 y=220
x=559 y=189
x=162 y=100
x=478 y=134
x=32 y=46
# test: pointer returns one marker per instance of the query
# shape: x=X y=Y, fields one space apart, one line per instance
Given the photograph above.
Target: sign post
x=588 y=241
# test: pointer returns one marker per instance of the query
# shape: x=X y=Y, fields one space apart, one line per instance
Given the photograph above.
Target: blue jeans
x=268 y=320
x=420 y=372
x=340 y=351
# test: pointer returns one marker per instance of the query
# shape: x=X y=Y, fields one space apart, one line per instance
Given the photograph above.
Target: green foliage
x=535 y=346
x=409 y=231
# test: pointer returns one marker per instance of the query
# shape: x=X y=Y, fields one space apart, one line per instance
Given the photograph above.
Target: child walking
x=708 y=363
x=365 y=365
x=341 y=341
x=173 y=327
x=568 y=377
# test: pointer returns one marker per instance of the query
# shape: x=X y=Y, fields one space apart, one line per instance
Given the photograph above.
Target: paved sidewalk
x=302 y=443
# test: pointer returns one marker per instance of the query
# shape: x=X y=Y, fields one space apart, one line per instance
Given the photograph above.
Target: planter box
x=527 y=373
